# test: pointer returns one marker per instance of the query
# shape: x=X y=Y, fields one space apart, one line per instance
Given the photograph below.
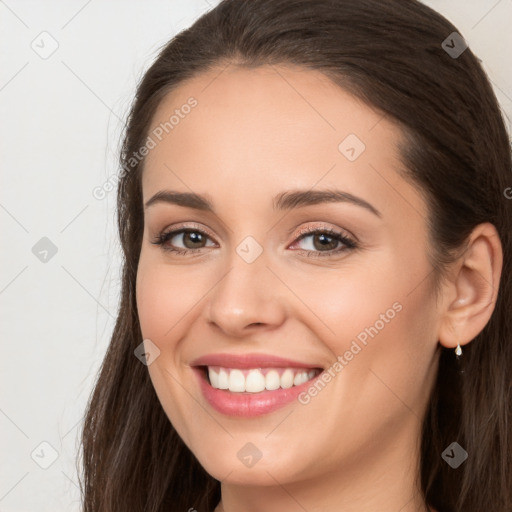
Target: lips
x=250 y=361
x=252 y=384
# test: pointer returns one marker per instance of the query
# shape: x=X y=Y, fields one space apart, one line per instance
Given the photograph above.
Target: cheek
x=388 y=340
x=164 y=296
x=390 y=294
x=381 y=319
x=168 y=301
x=358 y=298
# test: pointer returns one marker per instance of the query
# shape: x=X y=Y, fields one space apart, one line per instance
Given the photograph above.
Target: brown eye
x=181 y=241
x=193 y=239
x=323 y=242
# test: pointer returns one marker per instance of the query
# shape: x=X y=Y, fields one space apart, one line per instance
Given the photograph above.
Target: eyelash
x=163 y=238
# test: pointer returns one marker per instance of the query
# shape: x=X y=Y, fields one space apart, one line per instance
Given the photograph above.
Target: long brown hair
x=390 y=55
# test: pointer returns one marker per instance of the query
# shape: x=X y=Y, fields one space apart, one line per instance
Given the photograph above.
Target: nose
x=249 y=297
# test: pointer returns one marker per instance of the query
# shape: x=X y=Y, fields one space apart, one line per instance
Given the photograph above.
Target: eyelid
x=185 y=226
x=303 y=231
x=322 y=226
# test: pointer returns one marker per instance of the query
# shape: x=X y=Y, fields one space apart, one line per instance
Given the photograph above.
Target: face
x=301 y=282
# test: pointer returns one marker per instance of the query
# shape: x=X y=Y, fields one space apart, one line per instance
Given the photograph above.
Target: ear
x=470 y=295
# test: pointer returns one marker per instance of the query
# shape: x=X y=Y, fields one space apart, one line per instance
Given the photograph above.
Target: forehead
x=270 y=127
x=267 y=105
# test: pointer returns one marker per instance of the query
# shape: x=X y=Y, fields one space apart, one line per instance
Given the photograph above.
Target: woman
x=316 y=283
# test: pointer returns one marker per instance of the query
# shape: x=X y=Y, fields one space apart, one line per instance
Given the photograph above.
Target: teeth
x=223 y=379
x=214 y=378
x=287 y=379
x=300 y=378
x=272 y=380
x=256 y=380
x=236 y=381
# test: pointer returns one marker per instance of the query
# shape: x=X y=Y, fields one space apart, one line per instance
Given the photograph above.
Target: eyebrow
x=284 y=201
x=299 y=198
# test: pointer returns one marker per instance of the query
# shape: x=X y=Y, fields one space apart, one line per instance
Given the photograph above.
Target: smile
x=251 y=385
x=256 y=380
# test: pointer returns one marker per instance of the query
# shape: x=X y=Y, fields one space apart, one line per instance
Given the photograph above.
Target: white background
x=59 y=139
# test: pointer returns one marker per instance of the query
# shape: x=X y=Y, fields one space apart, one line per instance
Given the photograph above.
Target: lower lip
x=248 y=405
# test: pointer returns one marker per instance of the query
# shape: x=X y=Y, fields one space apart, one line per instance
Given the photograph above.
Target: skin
x=256 y=133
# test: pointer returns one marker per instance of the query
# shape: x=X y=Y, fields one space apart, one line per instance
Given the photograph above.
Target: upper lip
x=249 y=361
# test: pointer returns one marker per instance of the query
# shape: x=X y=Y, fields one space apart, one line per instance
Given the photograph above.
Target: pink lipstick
x=252 y=384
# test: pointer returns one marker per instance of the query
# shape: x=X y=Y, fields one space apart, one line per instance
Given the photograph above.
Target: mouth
x=257 y=380
x=252 y=385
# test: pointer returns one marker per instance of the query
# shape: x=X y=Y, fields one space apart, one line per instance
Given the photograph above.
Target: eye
x=313 y=241
x=323 y=242
x=183 y=241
